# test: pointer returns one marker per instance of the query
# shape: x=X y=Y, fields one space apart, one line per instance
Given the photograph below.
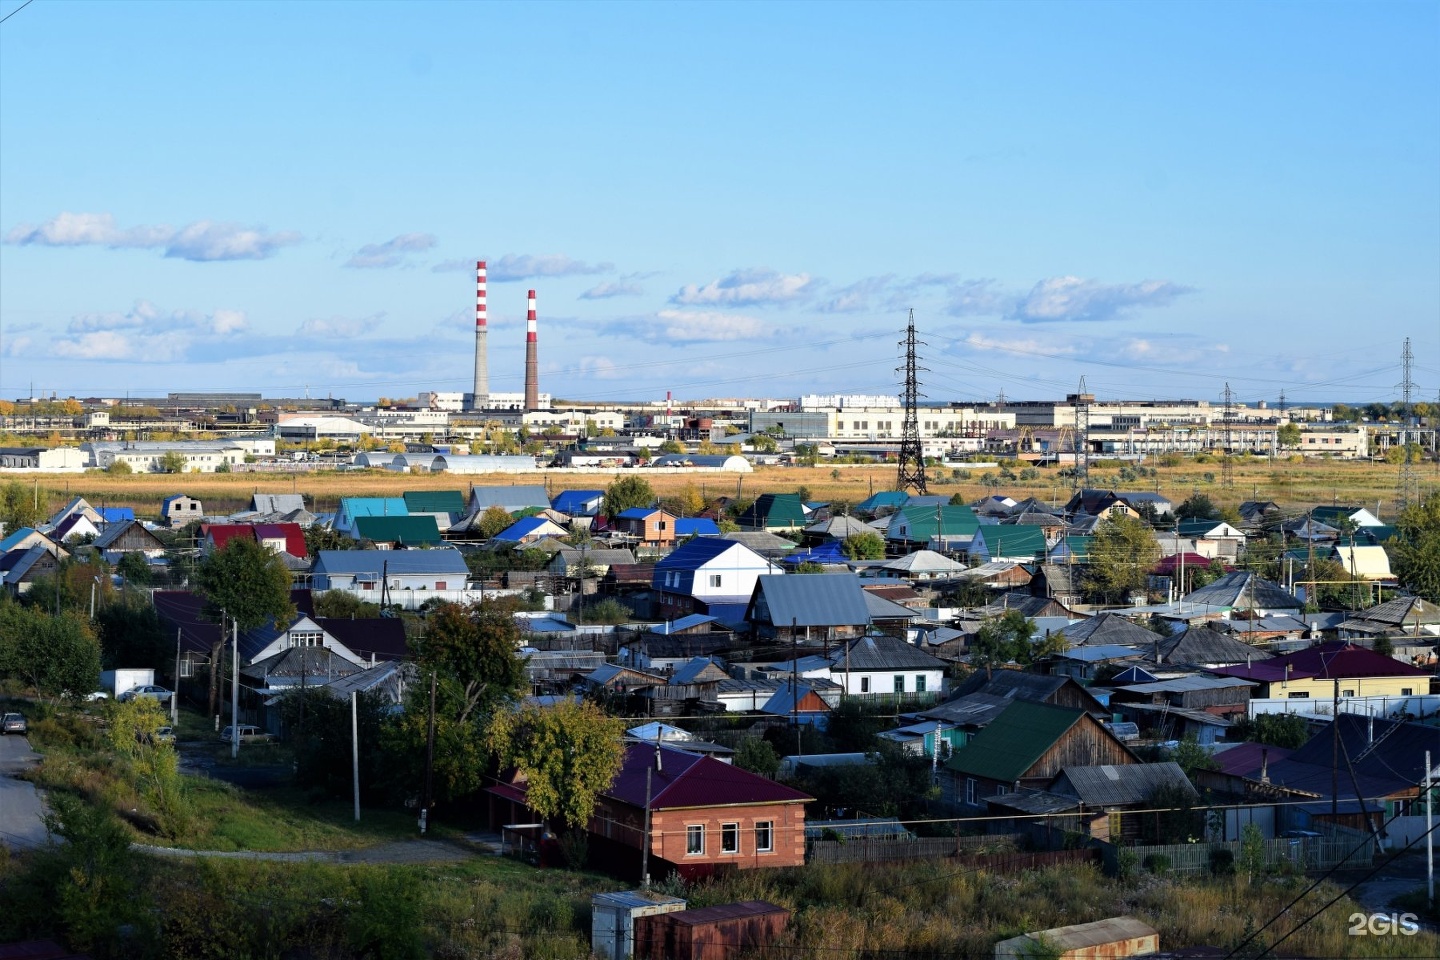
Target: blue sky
x=721 y=199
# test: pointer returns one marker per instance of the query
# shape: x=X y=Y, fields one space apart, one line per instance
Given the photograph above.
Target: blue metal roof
x=813 y=600
x=684 y=623
x=697 y=552
x=116 y=514
x=696 y=526
x=576 y=501
x=635 y=513
x=521 y=529
x=10 y=542
x=354 y=507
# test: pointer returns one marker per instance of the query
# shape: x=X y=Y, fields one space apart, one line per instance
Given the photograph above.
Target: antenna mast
x=912 y=456
x=1408 y=489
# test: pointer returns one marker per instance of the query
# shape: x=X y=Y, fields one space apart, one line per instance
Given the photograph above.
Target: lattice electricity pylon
x=1082 y=436
x=1227 y=464
x=1407 y=488
x=911 y=475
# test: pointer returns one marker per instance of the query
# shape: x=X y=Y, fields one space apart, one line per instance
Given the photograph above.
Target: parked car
x=248 y=734
x=14 y=723
x=146 y=690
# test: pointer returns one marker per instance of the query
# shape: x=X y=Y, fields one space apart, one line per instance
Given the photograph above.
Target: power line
x=16 y=10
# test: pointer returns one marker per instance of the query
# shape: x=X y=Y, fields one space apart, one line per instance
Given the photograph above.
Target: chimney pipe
x=480 y=399
x=1264 y=764
x=532 y=361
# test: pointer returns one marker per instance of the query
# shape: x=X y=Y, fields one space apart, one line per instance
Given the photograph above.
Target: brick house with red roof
x=1328 y=670
x=705 y=816
x=278 y=537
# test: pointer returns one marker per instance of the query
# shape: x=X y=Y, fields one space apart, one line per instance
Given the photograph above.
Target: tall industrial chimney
x=482 y=359
x=532 y=360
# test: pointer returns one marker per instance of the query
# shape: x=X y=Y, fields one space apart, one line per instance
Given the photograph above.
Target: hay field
x=1293 y=485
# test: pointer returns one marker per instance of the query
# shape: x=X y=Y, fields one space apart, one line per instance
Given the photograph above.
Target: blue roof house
x=709 y=575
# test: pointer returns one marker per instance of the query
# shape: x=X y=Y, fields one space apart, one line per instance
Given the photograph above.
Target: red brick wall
x=668 y=835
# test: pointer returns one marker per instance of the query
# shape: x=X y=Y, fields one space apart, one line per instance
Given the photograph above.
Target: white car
x=146 y=690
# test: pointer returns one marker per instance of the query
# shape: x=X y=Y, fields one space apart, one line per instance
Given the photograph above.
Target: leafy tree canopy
x=1122 y=555
x=626 y=493
x=1198 y=507
x=22 y=505
x=248 y=582
x=56 y=656
x=568 y=753
x=475 y=654
x=864 y=546
x=1416 y=548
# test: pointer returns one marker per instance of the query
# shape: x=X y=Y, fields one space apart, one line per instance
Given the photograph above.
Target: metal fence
x=876 y=850
x=1303 y=853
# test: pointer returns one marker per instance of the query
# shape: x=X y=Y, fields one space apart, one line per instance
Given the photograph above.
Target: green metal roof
x=774 y=510
x=407 y=530
x=951 y=521
x=1013 y=540
x=435 y=501
x=1079 y=548
x=1014 y=741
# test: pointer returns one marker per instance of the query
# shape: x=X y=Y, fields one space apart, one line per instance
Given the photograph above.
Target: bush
x=1127 y=862
x=1157 y=863
x=1222 y=862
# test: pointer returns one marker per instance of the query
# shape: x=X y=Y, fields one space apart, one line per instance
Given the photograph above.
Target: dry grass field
x=1292 y=485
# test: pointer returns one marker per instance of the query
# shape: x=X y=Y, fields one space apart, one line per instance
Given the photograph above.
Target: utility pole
x=1227 y=465
x=355 y=752
x=911 y=473
x=235 y=691
x=429 y=799
x=1429 y=832
x=175 y=694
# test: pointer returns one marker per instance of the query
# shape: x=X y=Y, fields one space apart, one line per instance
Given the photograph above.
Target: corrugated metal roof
x=1012 y=742
x=435 y=501
x=682 y=779
x=406 y=530
x=1114 y=785
x=1242 y=590
x=425 y=562
x=886 y=653
x=1110 y=628
x=812 y=600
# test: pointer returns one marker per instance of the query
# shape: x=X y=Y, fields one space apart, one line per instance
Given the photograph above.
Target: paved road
x=20 y=805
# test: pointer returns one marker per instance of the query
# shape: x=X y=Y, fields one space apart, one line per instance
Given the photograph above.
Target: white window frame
x=764 y=836
x=730 y=838
x=715 y=581
x=972 y=791
x=694 y=831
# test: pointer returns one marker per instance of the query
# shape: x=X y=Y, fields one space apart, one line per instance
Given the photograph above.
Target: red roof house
x=705 y=816
x=280 y=537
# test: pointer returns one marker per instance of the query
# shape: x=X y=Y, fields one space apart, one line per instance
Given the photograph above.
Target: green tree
x=1415 y=550
x=1002 y=639
x=1288 y=435
x=1286 y=730
x=56 y=656
x=494 y=520
x=119 y=468
x=475 y=654
x=757 y=756
x=172 y=462
x=864 y=546
x=1122 y=555
x=318 y=537
x=343 y=605
x=21 y=506
x=809 y=566
x=672 y=446
x=1190 y=757
x=1197 y=507
x=131 y=635
x=626 y=493
x=763 y=443
x=248 y=582
x=807 y=454
x=568 y=753
x=134 y=568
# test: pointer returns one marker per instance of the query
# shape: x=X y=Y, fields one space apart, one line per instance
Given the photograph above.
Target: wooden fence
x=1303 y=853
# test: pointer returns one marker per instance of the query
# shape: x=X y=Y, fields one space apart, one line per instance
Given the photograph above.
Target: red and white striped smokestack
x=482 y=359
x=532 y=360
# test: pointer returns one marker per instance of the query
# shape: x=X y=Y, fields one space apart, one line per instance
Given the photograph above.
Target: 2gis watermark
x=1384 y=924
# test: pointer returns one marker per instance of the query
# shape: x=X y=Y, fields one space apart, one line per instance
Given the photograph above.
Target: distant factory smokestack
x=532 y=359
x=482 y=359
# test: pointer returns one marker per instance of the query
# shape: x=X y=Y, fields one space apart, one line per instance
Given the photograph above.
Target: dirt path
x=399 y=851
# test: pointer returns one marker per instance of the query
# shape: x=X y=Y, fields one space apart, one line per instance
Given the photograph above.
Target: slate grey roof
x=1110 y=628
x=839 y=528
x=276 y=502
x=813 y=600
x=344 y=562
x=886 y=653
x=1012 y=684
x=1201 y=645
x=115 y=531
x=1401 y=611
x=971 y=710
x=1118 y=785
x=511 y=498
x=1036 y=802
x=1243 y=590
x=1188 y=684
x=761 y=542
x=881 y=609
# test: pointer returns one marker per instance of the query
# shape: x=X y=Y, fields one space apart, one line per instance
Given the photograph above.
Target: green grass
x=229 y=818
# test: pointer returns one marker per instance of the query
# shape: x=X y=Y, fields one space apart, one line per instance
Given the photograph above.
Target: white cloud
x=513 y=267
x=1030 y=345
x=1075 y=299
x=343 y=328
x=454 y=266
x=978 y=298
x=755 y=287
x=606 y=290
x=681 y=327
x=599 y=368
x=859 y=296
x=144 y=333
x=391 y=253
x=203 y=240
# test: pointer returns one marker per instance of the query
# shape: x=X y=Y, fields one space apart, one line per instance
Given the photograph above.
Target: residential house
x=939 y=527
x=811 y=608
x=1327 y=670
x=353 y=508
x=703 y=815
x=1195 y=705
x=883 y=503
x=592 y=562
x=515 y=498
x=77 y=526
x=1072 y=549
x=446 y=506
x=839 y=528
x=920 y=566
x=365 y=572
x=1022 y=544
x=1203 y=647
x=1108 y=791
x=129 y=536
x=1093 y=660
x=391 y=533
x=1242 y=591
x=579 y=503
x=1335 y=516
x=768 y=545
x=695 y=527
x=774 y=511
x=998 y=575
x=709 y=575
x=1409 y=617
x=1225 y=539
x=527 y=530
x=1024 y=747
x=21 y=567
x=647 y=526
x=888 y=668
x=1092 y=502
x=1058 y=581
x=178 y=509
x=1010 y=685
x=1152 y=506
x=1110 y=628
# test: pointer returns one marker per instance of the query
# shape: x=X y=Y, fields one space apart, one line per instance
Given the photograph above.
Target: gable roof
x=379 y=638
x=882 y=499
x=1337 y=660
x=924 y=561
x=356 y=507
x=774 y=510
x=884 y=653
x=696 y=526
x=291 y=533
x=1012 y=540
x=921 y=523
x=578 y=501
x=1012 y=743
x=1109 y=628
x=839 y=527
x=1243 y=590
x=700 y=551
x=528 y=527
x=810 y=600
x=434 y=501
x=678 y=779
x=115 y=531
x=1201 y=645
x=399 y=562
x=276 y=502
x=407 y=530
x=512 y=498
x=1114 y=785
